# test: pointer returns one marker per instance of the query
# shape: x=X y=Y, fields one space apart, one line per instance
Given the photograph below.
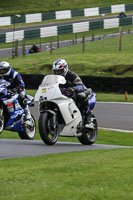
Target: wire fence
x=115 y=41
x=53 y=31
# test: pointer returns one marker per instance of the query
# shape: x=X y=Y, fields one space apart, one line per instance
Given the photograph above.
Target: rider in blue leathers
x=74 y=85
x=16 y=84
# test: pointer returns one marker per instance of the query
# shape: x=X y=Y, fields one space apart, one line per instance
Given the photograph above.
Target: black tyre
x=1 y=123
x=48 y=136
x=29 y=130
x=89 y=136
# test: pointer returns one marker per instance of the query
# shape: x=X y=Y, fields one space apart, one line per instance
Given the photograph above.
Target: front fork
x=52 y=119
x=1 y=111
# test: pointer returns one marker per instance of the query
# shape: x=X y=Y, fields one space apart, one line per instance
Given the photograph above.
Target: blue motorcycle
x=12 y=116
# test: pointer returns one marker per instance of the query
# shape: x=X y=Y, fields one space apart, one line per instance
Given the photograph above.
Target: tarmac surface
x=11 y=148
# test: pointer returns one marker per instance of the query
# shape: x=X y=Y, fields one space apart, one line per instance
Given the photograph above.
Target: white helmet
x=4 y=67
x=60 y=67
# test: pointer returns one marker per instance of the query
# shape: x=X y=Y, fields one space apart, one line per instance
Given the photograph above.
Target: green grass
x=96 y=175
x=105 y=97
x=108 y=137
x=30 y=6
x=101 y=58
x=93 y=175
x=71 y=37
x=89 y=175
x=114 y=97
x=104 y=137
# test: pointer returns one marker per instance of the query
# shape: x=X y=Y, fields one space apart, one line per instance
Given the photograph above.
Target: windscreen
x=51 y=80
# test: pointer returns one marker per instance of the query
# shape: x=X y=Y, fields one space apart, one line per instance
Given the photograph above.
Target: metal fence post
x=83 y=42
x=58 y=42
x=92 y=37
x=51 y=45
x=75 y=38
x=16 y=48
x=40 y=43
x=120 y=43
x=23 y=47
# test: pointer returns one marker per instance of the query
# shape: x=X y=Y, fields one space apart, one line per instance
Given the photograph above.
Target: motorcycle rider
x=74 y=85
x=16 y=85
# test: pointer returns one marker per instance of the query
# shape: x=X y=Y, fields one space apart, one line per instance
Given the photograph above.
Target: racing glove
x=69 y=92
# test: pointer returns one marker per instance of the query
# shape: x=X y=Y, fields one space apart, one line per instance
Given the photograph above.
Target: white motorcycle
x=60 y=116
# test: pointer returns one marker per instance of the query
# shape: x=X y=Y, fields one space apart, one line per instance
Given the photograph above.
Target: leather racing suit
x=74 y=84
x=17 y=85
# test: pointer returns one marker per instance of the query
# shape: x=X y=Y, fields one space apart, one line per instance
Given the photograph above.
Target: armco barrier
x=52 y=31
x=97 y=83
x=108 y=84
x=65 y=14
x=32 y=81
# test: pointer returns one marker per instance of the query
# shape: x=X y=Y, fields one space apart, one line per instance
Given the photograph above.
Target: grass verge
x=101 y=58
x=30 y=6
x=104 y=137
x=93 y=175
x=104 y=97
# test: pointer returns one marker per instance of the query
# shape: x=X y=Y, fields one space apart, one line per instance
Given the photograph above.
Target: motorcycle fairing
x=50 y=82
x=71 y=115
x=15 y=121
x=15 y=115
x=70 y=108
x=92 y=101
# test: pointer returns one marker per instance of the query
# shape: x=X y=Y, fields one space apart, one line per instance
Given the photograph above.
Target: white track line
x=118 y=130
x=115 y=102
x=113 y=129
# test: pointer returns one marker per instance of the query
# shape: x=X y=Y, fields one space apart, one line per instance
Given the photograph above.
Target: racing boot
x=88 y=123
x=27 y=113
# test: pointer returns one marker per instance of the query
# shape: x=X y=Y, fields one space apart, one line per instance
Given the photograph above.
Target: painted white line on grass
x=118 y=130
x=115 y=102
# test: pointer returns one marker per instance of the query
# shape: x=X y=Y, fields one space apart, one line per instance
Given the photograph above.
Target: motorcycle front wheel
x=89 y=136
x=29 y=129
x=1 y=123
x=48 y=135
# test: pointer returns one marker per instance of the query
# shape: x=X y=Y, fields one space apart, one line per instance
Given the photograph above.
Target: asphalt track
x=109 y=115
x=116 y=116
x=24 y=148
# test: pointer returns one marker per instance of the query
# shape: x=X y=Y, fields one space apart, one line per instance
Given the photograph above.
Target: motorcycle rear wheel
x=89 y=136
x=48 y=136
x=29 y=131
